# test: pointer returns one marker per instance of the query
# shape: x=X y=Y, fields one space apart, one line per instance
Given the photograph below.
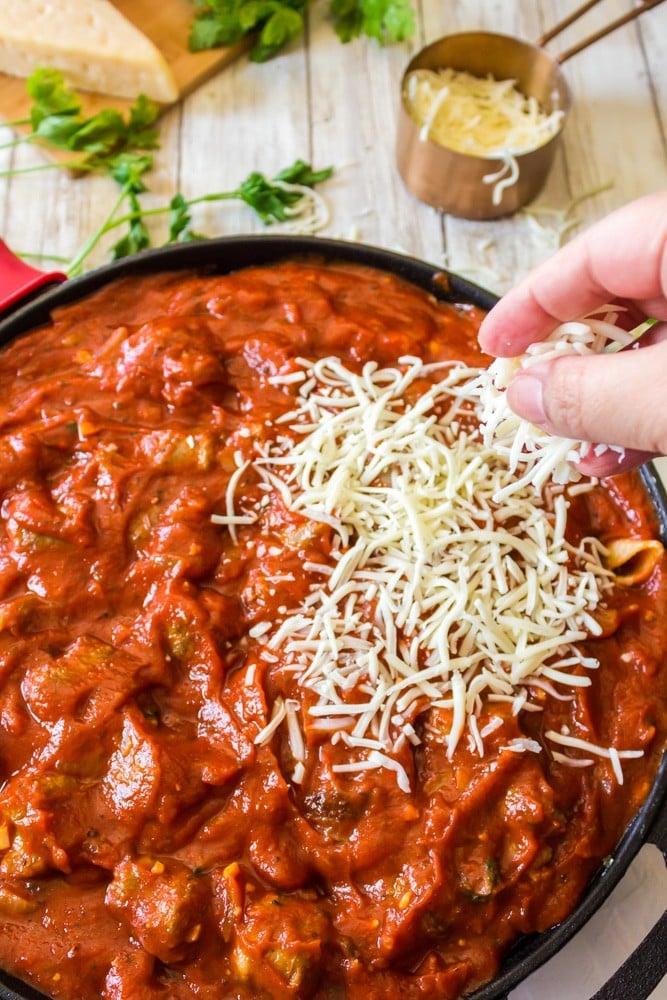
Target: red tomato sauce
x=149 y=847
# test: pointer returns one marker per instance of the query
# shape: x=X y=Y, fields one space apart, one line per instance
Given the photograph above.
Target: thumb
x=616 y=399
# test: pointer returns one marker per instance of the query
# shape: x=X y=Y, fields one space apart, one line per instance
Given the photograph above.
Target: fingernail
x=492 y=342
x=526 y=397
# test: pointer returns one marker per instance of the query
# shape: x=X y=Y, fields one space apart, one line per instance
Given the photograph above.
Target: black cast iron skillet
x=644 y=970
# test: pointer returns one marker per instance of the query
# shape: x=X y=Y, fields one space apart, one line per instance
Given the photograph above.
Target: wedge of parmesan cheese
x=95 y=47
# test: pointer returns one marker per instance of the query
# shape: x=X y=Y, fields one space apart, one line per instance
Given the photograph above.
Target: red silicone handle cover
x=18 y=280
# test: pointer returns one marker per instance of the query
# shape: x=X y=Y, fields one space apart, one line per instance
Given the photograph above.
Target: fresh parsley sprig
x=274 y=23
x=122 y=148
x=384 y=20
x=128 y=171
x=227 y=22
x=98 y=142
x=273 y=200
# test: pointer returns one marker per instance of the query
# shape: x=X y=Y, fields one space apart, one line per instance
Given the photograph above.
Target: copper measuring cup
x=454 y=182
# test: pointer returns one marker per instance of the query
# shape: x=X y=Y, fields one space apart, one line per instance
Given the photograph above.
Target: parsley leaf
x=274 y=23
x=270 y=199
x=179 y=217
x=140 y=131
x=206 y=32
x=227 y=22
x=347 y=18
x=127 y=169
x=284 y=25
x=56 y=118
x=385 y=20
x=302 y=173
x=50 y=96
x=137 y=237
x=398 y=22
x=100 y=134
x=58 y=129
x=180 y=221
x=216 y=23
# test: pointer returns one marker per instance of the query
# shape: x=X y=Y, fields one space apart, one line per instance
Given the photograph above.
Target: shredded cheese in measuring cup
x=479 y=116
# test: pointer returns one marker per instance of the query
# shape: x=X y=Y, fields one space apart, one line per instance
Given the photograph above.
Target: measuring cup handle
x=566 y=22
x=612 y=26
x=19 y=281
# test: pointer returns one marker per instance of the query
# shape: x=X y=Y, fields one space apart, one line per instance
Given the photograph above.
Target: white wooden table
x=335 y=104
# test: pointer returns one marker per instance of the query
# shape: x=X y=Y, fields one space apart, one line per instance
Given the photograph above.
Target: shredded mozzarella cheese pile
x=479 y=116
x=438 y=595
x=452 y=583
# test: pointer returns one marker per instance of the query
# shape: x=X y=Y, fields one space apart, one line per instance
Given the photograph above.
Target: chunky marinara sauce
x=150 y=847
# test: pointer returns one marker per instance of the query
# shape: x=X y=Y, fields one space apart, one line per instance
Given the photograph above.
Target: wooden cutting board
x=166 y=23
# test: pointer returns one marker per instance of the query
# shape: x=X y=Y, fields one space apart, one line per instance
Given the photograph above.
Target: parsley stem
x=74 y=164
x=270 y=200
x=163 y=209
x=56 y=258
x=17 y=121
x=218 y=196
x=74 y=266
x=18 y=142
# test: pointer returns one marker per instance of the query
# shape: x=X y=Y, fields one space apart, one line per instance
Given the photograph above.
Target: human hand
x=620 y=398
